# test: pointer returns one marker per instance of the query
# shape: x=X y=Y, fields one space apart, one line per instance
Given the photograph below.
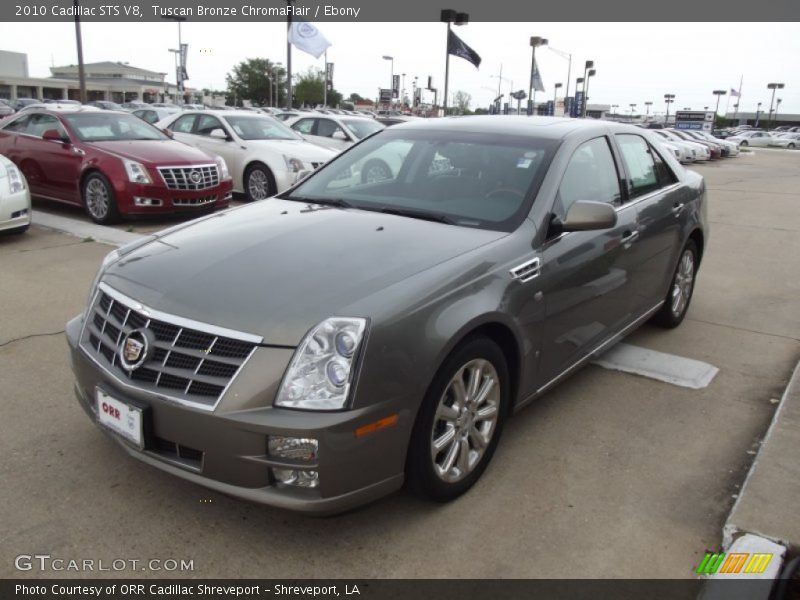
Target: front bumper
x=225 y=449
x=15 y=209
x=171 y=201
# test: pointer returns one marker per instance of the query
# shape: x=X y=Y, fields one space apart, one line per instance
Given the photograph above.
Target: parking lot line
x=677 y=370
x=83 y=230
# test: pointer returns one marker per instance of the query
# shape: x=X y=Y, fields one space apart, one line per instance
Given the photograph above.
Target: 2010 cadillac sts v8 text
x=315 y=350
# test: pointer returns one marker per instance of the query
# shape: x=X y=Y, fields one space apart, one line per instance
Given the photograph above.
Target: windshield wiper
x=337 y=202
x=418 y=214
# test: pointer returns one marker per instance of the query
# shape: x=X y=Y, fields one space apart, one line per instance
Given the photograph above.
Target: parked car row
x=690 y=145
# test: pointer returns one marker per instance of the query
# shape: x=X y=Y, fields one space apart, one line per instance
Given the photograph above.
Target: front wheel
x=680 y=290
x=460 y=421
x=791 y=146
x=99 y=200
x=258 y=183
x=744 y=143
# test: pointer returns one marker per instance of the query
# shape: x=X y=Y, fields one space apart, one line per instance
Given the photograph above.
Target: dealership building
x=114 y=81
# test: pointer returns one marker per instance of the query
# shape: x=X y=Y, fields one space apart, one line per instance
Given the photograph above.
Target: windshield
x=111 y=127
x=260 y=128
x=361 y=128
x=467 y=179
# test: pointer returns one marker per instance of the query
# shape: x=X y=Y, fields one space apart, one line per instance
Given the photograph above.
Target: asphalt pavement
x=608 y=475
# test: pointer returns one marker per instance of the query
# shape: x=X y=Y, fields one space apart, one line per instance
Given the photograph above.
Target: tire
x=259 y=184
x=99 y=200
x=375 y=170
x=744 y=143
x=19 y=230
x=466 y=444
x=681 y=288
x=791 y=146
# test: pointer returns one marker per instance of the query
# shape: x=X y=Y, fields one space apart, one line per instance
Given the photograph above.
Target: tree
x=253 y=80
x=462 y=100
x=356 y=98
x=310 y=89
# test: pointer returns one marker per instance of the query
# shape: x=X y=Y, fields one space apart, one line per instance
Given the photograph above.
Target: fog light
x=147 y=201
x=293 y=448
x=297 y=477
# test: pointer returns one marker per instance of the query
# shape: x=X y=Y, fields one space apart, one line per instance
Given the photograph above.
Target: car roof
x=60 y=108
x=541 y=127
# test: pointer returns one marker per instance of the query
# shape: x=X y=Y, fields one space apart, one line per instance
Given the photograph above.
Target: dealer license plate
x=119 y=417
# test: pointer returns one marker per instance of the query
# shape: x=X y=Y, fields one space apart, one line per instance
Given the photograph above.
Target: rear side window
x=665 y=175
x=638 y=158
x=18 y=124
x=591 y=175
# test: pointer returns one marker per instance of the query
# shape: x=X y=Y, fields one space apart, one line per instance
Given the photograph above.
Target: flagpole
x=325 y=82
x=289 y=53
x=446 y=68
x=738 y=98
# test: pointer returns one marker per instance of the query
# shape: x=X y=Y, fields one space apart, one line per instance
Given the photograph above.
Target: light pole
x=591 y=73
x=777 y=106
x=568 y=56
x=773 y=87
x=735 y=111
x=758 y=112
x=632 y=107
x=648 y=104
x=536 y=41
x=555 y=96
x=718 y=94
x=668 y=99
x=177 y=54
x=588 y=65
x=614 y=108
x=391 y=77
x=179 y=69
x=450 y=17
x=403 y=91
x=578 y=81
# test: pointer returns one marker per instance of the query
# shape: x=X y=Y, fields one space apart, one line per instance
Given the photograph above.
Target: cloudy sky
x=635 y=62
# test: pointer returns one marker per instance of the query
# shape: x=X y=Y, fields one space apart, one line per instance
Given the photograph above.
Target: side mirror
x=169 y=133
x=219 y=134
x=53 y=135
x=585 y=215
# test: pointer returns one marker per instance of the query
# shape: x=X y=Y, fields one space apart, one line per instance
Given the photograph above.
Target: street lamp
x=450 y=17
x=568 y=56
x=536 y=41
x=777 y=106
x=179 y=68
x=614 y=108
x=591 y=73
x=648 y=104
x=668 y=99
x=758 y=112
x=588 y=65
x=177 y=53
x=773 y=87
x=391 y=76
x=718 y=93
x=632 y=107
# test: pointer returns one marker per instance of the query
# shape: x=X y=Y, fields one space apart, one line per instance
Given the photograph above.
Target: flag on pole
x=734 y=93
x=536 y=77
x=304 y=36
x=457 y=47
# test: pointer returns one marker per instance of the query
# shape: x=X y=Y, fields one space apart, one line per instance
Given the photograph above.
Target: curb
x=80 y=229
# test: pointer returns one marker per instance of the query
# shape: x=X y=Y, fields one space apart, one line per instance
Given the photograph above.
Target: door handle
x=677 y=208
x=629 y=237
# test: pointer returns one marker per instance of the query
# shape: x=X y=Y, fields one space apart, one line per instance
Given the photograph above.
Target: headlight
x=136 y=171
x=322 y=368
x=223 y=168
x=295 y=165
x=16 y=182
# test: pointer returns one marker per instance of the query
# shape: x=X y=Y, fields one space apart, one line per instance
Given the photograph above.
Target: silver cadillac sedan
x=316 y=350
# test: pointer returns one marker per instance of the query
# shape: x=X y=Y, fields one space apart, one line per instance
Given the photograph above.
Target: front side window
x=38 y=124
x=328 y=128
x=208 y=123
x=466 y=179
x=184 y=124
x=304 y=126
x=638 y=159
x=590 y=175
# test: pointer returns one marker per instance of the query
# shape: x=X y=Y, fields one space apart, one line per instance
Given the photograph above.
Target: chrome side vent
x=527 y=271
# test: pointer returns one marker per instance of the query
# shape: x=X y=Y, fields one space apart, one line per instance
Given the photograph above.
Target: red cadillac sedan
x=113 y=164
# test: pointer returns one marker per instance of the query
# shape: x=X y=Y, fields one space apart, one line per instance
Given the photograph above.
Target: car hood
x=296 y=149
x=277 y=268
x=154 y=152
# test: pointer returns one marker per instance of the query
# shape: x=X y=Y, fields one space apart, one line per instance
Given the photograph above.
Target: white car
x=337 y=132
x=732 y=147
x=701 y=151
x=691 y=152
x=682 y=155
x=751 y=138
x=263 y=156
x=15 y=198
x=785 y=140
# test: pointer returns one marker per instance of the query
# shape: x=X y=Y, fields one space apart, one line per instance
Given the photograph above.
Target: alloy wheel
x=684 y=280
x=98 y=199
x=258 y=185
x=465 y=420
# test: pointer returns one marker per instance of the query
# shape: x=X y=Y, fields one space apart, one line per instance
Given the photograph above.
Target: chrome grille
x=196 y=177
x=187 y=364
